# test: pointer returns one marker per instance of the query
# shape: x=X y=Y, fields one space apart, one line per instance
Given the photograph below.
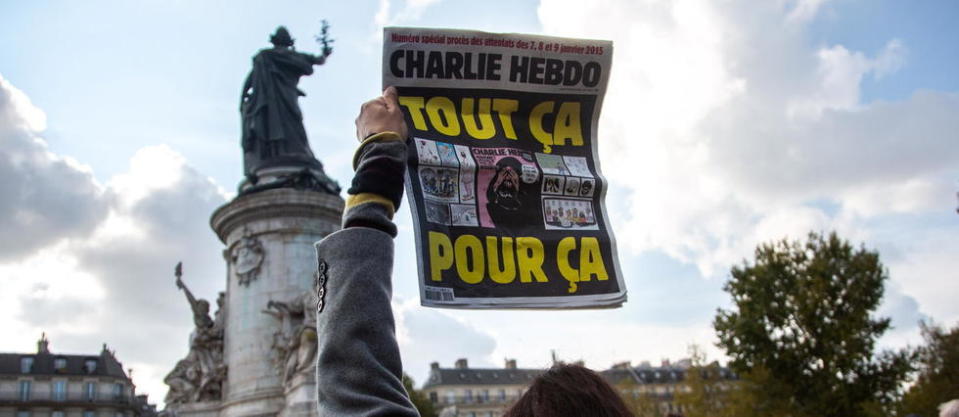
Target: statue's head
x=203 y=306
x=281 y=37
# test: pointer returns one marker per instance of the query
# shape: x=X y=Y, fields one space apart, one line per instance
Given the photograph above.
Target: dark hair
x=569 y=390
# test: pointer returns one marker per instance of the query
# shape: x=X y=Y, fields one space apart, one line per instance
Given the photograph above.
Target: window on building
x=90 y=392
x=57 y=413
x=25 y=387
x=468 y=395
x=23 y=413
x=90 y=366
x=59 y=390
x=433 y=397
x=89 y=413
x=59 y=364
x=450 y=397
x=502 y=395
x=484 y=395
x=118 y=391
x=118 y=414
x=472 y=414
x=26 y=364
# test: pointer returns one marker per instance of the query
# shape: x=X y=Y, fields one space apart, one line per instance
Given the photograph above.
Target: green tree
x=638 y=401
x=801 y=332
x=704 y=389
x=419 y=399
x=938 y=377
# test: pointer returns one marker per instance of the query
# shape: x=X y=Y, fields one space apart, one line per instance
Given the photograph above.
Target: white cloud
x=724 y=127
x=803 y=11
x=46 y=197
x=429 y=335
x=91 y=263
x=397 y=12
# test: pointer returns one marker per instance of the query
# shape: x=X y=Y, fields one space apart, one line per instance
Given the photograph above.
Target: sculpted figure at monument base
x=295 y=343
x=199 y=376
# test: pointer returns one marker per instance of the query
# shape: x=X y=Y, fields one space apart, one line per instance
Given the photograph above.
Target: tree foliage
x=938 y=379
x=640 y=403
x=704 y=387
x=419 y=399
x=802 y=332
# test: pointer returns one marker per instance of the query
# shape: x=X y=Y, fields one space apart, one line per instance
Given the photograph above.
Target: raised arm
x=178 y=272
x=358 y=363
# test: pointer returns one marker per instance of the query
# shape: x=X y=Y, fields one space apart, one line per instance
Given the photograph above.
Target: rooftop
x=462 y=374
x=43 y=362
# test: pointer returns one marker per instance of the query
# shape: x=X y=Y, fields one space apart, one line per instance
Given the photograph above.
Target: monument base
x=301 y=396
x=200 y=409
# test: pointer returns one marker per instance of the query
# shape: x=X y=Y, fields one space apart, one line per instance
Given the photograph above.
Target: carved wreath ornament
x=247 y=257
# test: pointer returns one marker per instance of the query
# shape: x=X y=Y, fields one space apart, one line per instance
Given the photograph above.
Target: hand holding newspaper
x=503 y=178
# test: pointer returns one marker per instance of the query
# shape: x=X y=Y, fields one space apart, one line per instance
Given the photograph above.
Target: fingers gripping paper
x=503 y=178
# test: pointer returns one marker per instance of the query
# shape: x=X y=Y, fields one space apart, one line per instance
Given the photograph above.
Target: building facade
x=46 y=384
x=462 y=391
x=659 y=385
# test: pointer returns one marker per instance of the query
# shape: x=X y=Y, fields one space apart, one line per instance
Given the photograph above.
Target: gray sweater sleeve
x=358 y=370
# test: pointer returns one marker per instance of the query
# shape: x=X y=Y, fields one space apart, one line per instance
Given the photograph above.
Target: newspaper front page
x=503 y=177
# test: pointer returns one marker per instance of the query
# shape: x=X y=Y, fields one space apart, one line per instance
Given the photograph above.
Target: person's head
x=569 y=391
x=949 y=409
x=504 y=186
x=281 y=38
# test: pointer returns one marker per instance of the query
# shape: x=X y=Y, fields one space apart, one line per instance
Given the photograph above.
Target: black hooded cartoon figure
x=509 y=201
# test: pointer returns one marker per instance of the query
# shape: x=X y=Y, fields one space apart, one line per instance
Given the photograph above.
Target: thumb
x=390 y=95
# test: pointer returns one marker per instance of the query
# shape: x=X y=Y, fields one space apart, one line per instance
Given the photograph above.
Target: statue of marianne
x=273 y=133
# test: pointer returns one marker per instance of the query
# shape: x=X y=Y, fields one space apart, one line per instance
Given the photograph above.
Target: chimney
x=665 y=363
x=622 y=365
x=434 y=366
x=461 y=363
x=43 y=345
x=511 y=364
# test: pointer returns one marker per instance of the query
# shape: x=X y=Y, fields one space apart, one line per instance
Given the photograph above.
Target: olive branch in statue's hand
x=324 y=38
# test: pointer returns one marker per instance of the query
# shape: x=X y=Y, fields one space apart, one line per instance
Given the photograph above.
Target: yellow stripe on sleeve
x=354 y=200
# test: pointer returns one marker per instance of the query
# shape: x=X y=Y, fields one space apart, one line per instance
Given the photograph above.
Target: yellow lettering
x=505 y=108
x=567 y=245
x=507 y=273
x=441 y=255
x=591 y=260
x=530 y=255
x=568 y=126
x=536 y=125
x=470 y=274
x=442 y=114
x=485 y=119
x=415 y=104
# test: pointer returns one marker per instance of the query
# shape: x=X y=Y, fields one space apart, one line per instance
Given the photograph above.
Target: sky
x=726 y=124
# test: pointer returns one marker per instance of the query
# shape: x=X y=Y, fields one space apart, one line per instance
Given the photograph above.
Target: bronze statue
x=273 y=133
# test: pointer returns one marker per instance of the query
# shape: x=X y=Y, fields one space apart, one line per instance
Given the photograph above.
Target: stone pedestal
x=269 y=238
x=200 y=409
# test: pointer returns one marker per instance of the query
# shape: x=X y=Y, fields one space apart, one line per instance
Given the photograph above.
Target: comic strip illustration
x=564 y=213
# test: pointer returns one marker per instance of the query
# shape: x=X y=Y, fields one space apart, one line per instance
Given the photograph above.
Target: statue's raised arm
x=201 y=308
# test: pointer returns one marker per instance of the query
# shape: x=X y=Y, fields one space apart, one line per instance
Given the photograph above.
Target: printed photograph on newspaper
x=503 y=178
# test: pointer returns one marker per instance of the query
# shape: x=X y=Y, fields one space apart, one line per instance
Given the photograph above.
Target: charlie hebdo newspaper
x=503 y=176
